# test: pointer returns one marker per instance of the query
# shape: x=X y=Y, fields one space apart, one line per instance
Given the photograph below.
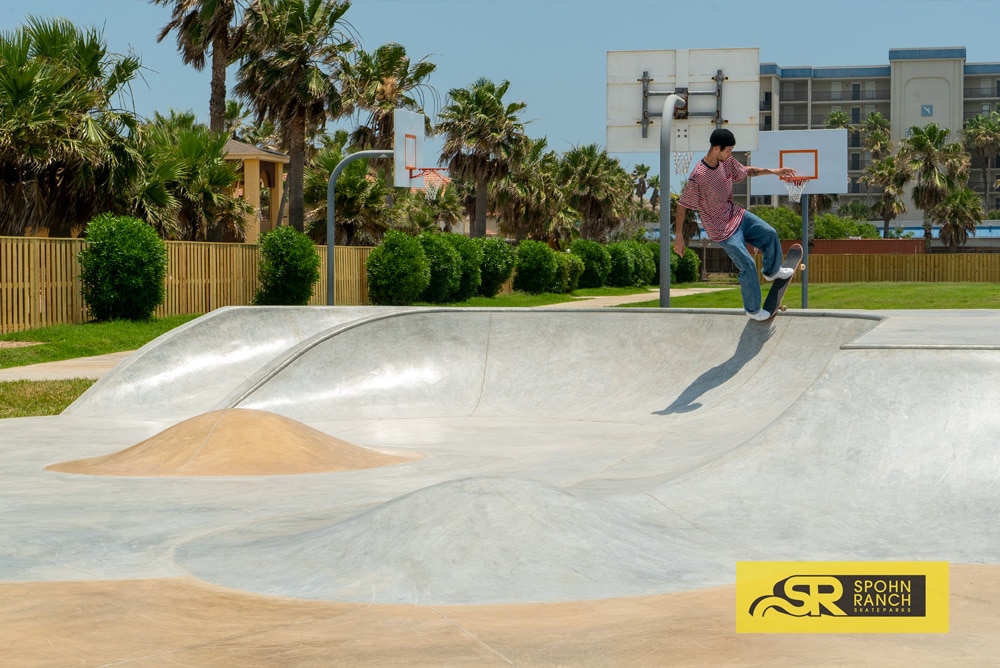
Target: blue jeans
x=757 y=233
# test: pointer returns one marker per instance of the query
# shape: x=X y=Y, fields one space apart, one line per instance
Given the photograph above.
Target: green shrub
x=596 y=262
x=830 y=226
x=471 y=257
x=446 y=269
x=535 y=267
x=624 y=257
x=123 y=268
x=785 y=222
x=398 y=270
x=644 y=268
x=497 y=265
x=688 y=267
x=289 y=268
x=653 y=248
x=568 y=273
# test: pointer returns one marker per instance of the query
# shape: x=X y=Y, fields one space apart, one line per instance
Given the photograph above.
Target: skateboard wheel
x=802 y=266
x=782 y=308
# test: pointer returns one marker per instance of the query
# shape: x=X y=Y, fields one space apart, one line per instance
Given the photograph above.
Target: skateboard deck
x=772 y=303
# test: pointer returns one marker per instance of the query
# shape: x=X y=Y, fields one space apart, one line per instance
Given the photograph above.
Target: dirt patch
x=235 y=442
x=19 y=344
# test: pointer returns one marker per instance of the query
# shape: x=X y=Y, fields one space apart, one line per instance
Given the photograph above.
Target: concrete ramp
x=174 y=376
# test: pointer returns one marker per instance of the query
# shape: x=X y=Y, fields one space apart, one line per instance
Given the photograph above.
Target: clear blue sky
x=554 y=51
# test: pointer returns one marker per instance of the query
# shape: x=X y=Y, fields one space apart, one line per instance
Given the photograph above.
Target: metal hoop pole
x=331 y=188
x=666 y=128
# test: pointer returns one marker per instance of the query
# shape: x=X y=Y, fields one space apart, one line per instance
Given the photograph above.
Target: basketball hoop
x=794 y=186
x=433 y=185
x=682 y=161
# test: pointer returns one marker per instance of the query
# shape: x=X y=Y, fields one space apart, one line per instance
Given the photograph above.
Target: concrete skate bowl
x=590 y=454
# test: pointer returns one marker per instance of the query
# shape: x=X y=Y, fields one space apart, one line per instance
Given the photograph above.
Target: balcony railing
x=851 y=96
x=794 y=96
x=982 y=92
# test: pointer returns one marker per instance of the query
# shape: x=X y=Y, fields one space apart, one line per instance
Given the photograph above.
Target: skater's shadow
x=752 y=340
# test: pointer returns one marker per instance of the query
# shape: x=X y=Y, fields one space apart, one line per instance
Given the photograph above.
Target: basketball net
x=682 y=161
x=794 y=187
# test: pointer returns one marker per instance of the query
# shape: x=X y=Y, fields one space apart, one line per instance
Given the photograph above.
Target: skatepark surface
x=572 y=486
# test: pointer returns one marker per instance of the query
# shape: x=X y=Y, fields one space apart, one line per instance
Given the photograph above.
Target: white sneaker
x=759 y=314
x=784 y=272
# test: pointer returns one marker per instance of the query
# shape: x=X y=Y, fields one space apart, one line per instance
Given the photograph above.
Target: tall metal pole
x=666 y=128
x=805 y=250
x=331 y=188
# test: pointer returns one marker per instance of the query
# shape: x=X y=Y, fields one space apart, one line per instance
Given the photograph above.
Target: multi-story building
x=917 y=87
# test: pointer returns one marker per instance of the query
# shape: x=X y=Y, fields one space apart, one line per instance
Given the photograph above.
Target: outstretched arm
x=783 y=172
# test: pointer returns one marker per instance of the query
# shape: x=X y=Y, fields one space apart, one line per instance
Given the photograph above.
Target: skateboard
x=772 y=303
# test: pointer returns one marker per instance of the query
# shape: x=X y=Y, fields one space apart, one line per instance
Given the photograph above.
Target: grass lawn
x=63 y=342
x=26 y=398
x=875 y=296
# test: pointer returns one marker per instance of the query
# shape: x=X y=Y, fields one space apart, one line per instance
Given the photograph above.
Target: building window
x=855 y=114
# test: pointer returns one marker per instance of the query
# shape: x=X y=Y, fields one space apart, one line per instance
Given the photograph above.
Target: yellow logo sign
x=841 y=597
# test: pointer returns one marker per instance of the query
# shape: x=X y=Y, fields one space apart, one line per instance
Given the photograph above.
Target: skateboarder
x=709 y=191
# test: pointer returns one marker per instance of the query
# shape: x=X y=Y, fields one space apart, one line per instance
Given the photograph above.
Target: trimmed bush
x=622 y=272
x=446 y=269
x=471 y=255
x=645 y=266
x=123 y=268
x=688 y=267
x=535 y=268
x=653 y=248
x=496 y=266
x=568 y=273
x=289 y=268
x=398 y=270
x=596 y=262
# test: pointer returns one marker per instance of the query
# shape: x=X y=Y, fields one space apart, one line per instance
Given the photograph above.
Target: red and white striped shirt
x=709 y=191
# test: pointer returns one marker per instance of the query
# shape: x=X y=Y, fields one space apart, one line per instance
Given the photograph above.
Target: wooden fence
x=40 y=285
x=39 y=278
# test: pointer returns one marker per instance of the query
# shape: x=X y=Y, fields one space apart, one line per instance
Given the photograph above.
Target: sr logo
x=803 y=596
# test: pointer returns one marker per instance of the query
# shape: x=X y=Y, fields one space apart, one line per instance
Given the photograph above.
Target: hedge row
x=444 y=267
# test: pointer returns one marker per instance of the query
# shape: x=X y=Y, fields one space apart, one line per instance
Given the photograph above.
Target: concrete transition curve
x=547 y=455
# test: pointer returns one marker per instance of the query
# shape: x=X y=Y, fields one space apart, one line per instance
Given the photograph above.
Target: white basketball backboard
x=639 y=81
x=408 y=144
x=818 y=155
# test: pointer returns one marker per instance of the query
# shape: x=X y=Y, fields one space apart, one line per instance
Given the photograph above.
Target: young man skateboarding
x=709 y=191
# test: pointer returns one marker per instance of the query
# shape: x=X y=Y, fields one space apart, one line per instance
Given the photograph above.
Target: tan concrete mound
x=234 y=442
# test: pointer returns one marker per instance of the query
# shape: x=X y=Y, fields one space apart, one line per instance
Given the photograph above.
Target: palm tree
x=360 y=199
x=930 y=159
x=185 y=160
x=982 y=138
x=875 y=135
x=203 y=26
x=959 y=214
x=640 y=175
x=528 y=198
x=598 y=187
x=376 y=84
x=654 y=185
x=290 y=63
x=65 y=148
x=484 y=138
x=891 y=175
